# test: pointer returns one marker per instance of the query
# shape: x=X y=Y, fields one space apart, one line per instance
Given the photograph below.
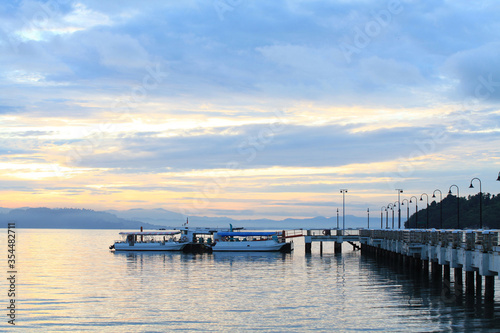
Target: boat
x=250 y=241
x=150 y=241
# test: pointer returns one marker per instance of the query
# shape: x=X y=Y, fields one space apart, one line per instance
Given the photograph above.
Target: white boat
x=250 y=241
x=201 y=235
x=150 y=241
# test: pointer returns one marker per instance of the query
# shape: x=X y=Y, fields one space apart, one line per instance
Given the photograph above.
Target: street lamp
x=480 y=201
x=416 y=211
x=399 y=207
x=386 y=218
x=440 y=205
x=337 y=219
x=368 y=212
x=343 y=191
x=458 y=204
x=391 y=207
x=427 y=210
x=407 y=210
x=382 y=217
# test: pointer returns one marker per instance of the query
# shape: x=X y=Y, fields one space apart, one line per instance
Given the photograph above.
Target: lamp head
x=421 y=199
x=471 y=186
x=433 y=195
x=449 y=192
x=498 y=179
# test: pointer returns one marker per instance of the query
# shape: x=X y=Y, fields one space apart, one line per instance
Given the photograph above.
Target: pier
x=475 y=252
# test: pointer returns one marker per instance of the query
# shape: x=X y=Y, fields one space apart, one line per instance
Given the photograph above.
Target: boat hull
x=252 y=246
x=157 y=246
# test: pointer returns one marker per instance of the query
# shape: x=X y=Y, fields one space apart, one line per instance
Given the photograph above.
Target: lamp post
x=480 y=201
x=427 y=210
x=399 y=207
x=368 y=212
x=337 y=219
x=440 y=206
x=343 y=191
x=407 y=210
x=391 y=207
x=382 y=217
x=458 y=204
x=386 y=218
x=416 y=211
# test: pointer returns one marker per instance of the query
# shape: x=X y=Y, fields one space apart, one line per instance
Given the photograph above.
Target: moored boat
x=250 y=241
x=150 y=241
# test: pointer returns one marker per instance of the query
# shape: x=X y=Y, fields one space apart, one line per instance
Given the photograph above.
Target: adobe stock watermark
x=248 y=150
x=224 y=6
x=483 y=90
x=363 y=36
x=37 y=21
x=94 y=138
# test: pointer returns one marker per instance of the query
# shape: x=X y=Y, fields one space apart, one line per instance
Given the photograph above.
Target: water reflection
x=136 y=257
x=252 y=256
x=81 y=286
x=446 y=302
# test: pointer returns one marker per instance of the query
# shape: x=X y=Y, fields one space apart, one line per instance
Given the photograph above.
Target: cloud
x=7 y=109
x=258 y=147
x=78 y=93
x=476 y=73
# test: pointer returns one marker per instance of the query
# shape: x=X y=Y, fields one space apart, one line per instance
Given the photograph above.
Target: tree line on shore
x=467 y=209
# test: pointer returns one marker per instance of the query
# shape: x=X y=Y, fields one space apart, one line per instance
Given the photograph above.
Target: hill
x=68 y=218
x=468 y=212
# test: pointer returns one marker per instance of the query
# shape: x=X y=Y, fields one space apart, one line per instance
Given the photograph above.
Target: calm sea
x=68 y=280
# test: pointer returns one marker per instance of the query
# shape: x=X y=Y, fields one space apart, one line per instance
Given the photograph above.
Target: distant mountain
x=69 y=218
x=319 y=222
x=171 y=219
x=157 y=216
x=4 y=210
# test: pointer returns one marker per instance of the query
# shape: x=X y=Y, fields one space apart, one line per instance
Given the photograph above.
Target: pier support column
x=489 y=288
x=308 y=248
x=419 y=265
x=469 y=283
x=459 y=283
x=338 y=247
x=458 y=276
x=321 y=248
x=437 y=270
x=479 y=282
x=446 y=272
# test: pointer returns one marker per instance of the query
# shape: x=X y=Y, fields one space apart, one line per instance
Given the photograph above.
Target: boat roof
x=246 y=233
x=202 y=230
x=150 y=233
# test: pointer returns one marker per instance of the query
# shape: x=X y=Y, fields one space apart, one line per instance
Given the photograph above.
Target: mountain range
x=72 y=218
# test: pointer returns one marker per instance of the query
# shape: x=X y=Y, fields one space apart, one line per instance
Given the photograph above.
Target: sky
x=247 y=109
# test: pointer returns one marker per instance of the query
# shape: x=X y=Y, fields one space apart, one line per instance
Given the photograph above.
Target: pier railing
x=485 y=240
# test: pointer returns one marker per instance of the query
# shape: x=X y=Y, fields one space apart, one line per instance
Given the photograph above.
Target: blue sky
x=251 y=108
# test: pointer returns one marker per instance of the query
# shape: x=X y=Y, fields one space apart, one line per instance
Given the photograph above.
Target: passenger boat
x=250 y=241
x=150 y=241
